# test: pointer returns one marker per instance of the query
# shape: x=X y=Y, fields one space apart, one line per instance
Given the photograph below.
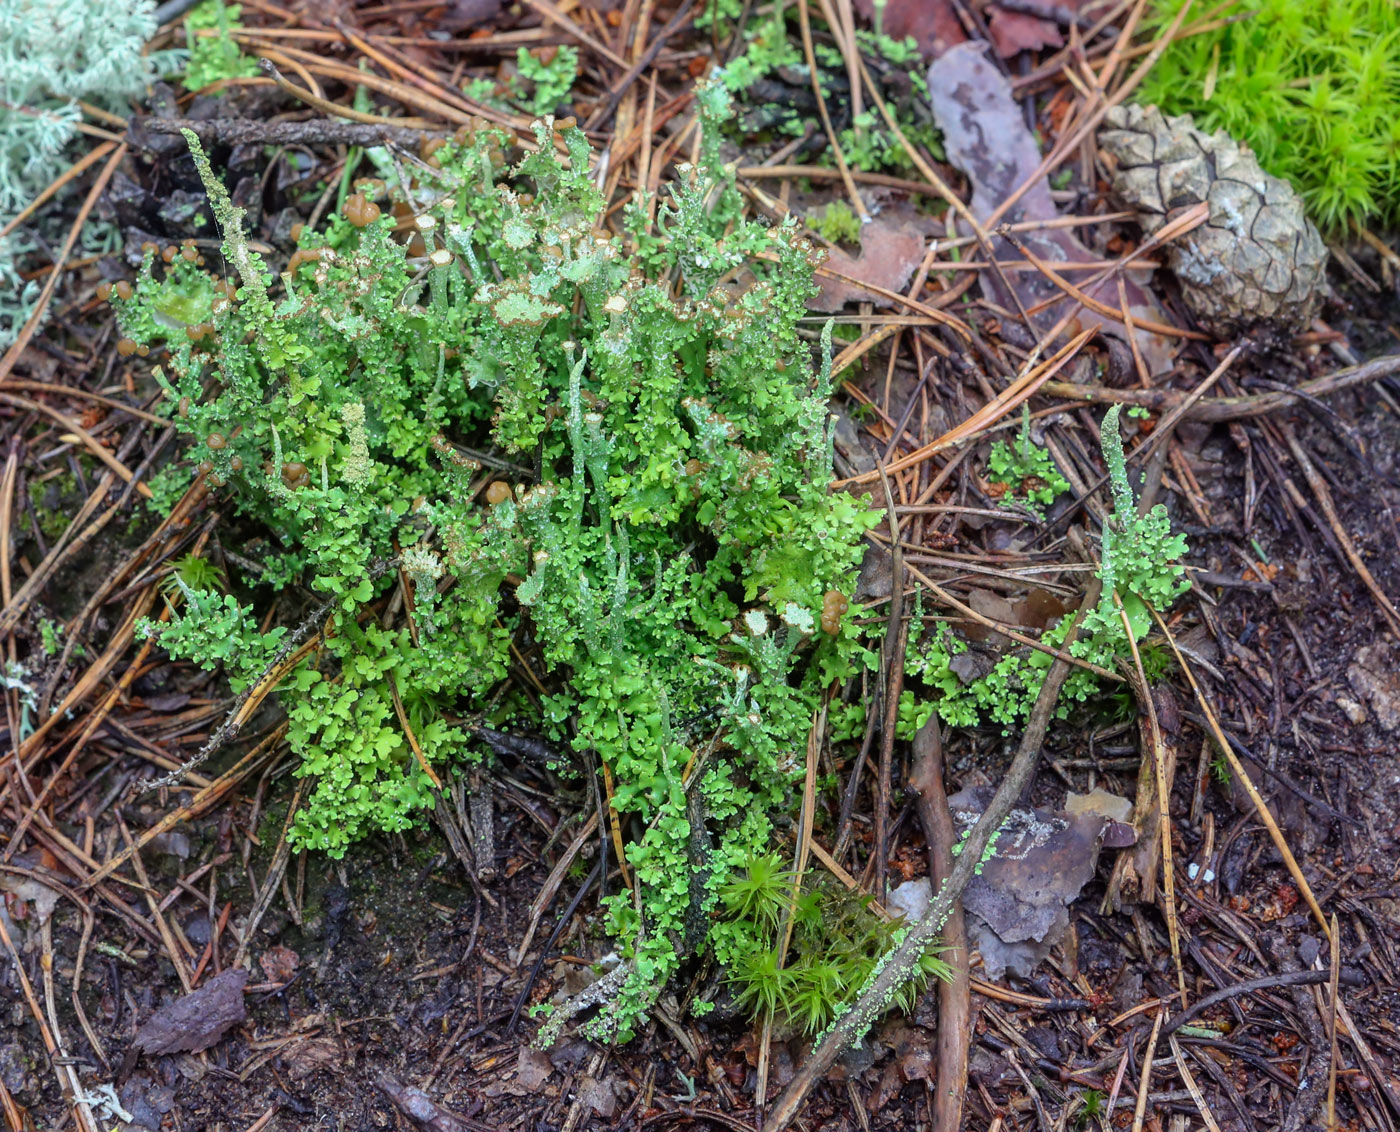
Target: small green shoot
x=194 y=573
x=838 y=224
x=867 y=144
x=836 y=944
x=1026 y=471
x=1092 y=1103
x=1140 y=564
x=550 y=82
x=217 y=56
x=50 y=636
x=1220 y=769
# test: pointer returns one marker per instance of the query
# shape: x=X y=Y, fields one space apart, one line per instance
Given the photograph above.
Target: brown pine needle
x=1242 y=777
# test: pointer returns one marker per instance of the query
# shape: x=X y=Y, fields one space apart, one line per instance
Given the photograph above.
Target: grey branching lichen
x=53 y=53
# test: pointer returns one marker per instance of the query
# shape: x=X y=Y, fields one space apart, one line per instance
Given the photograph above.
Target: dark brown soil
x=393 y=970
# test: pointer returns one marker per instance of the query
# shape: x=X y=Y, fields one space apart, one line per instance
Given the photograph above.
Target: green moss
x=836 y=945
x=218 y=56
x=838 y=223
x=1313 y=86
x=46 y=501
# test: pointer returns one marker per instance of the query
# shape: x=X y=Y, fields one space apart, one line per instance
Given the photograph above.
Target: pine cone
x=1258 y=260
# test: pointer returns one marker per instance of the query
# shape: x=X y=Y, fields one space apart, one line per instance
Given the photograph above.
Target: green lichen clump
x=774 y=48
x=1313 y=86
x=543 y=80
x=652 y=540
x=1025 y=470
x=1139 y=568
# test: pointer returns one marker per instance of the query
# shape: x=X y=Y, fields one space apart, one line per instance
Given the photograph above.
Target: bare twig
x=1220 y=409
x=314 y=131
x=955 y=995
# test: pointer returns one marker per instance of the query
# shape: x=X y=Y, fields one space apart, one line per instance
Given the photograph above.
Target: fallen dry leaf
x=985 y=136
x=1017 y=908
x=913 y=1053
x=600 y=1096
x=1099 y=801
x=311 y=1055
x=934 y=24
x=890 y=1084
x=279 y=964
x=532 y=1068
x=1372 y=676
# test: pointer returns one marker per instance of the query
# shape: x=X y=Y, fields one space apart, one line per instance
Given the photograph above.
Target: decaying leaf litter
x=388 y=987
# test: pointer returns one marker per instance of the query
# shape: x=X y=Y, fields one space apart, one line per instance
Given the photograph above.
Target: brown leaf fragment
x=1017 y=908
x=279 y=964
x=600 y=1096
x=913 y=1054
x=198 y=1020
x=1014 y=32
x=532 y=1068
x=888 y=1088
x=891 y=248
x=1372 y=676
x=310 y=1055
x=934 y=24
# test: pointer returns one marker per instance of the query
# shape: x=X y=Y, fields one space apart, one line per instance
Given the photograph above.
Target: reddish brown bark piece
x=199 y=1019
x=420 y=1108
x=933 y=23
x=1013 y=32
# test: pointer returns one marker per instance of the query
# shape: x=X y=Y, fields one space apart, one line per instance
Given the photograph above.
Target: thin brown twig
x=1140 y=1110
x=954 y=994
x=1246 y=782
x=67 y=1075
x=1007 y=401
x=1217 y=410
x=805 y=22
x=312 y=131
x=892 y=671
x=1329 y=509
x=1163 y=799
x=275 y=871
x=92 y=157
x=1067 y=144
x=1333 y=977
x=203 y=801
x=335 y=109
